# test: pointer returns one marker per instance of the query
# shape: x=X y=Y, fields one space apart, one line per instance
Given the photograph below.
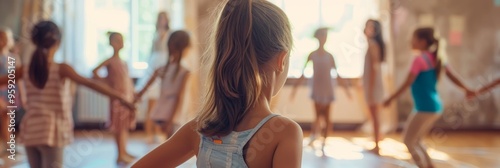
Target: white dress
x=159 y=57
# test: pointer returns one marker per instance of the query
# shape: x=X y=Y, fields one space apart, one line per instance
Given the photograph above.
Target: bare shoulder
x=285 y=128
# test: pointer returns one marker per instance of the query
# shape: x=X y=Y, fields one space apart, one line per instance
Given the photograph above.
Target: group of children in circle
x=246 y=72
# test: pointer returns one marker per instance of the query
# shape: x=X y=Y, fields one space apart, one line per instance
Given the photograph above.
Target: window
x=87 y=23
x=346 y=40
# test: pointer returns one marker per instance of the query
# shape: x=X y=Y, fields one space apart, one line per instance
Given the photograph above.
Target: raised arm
x=96 y=69
x=138 y=96
x=67 y=71
x=409 y=80
x=175 y=151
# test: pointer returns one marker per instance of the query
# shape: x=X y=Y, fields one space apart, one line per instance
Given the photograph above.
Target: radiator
x=93 y=107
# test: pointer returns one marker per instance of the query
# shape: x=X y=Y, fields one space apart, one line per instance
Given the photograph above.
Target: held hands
x=137 y=98
x=470 y=94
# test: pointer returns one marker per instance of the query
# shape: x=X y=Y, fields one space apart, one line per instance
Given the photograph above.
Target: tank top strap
x=427 y=59
x=254 y=130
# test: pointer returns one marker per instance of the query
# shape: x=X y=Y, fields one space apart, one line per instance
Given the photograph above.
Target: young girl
x=372 y=76
x=121 y=119
x=423 y=77
x=236 y=127
x=47 y=126
x=159 y=57
x=322 y=87
x=173 y=80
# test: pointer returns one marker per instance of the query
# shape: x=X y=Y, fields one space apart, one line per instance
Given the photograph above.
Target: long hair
x=161 y=15
x=44 y=35
x=177 y=43
x=248 y=34
x=427 y=34
x=379 y=38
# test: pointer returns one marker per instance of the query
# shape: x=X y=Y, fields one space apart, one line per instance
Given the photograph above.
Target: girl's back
x=253 y=147
x=48 y=111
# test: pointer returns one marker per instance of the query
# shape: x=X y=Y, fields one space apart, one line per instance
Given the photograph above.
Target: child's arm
x=19 y=72
x=409 y=80
x=146 y=87
x=288 y=153
x=341 y=80
x=301 y=79
x=175 y=151
x=96 y=69
x=67 y=71
x=458 y=82
x=490 y=86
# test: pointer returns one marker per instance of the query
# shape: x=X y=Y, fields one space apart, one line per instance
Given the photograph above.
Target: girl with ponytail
x=235 y=126
x=47 y=126
x=173 y=79
x=423 y=78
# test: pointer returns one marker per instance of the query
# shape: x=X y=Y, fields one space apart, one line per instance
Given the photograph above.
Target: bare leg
x=316 y=123
x=326 y=119
x=376 y=128
x=121 y=142
x=148 y=123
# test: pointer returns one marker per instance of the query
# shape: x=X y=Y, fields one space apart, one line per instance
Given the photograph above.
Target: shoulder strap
x=255 y=129
x=427 y=59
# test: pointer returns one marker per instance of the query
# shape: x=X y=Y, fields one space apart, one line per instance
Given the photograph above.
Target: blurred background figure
x=372 y=76
x=173 y=77
x=322 y=87
x=158 y=58
x=121 y=119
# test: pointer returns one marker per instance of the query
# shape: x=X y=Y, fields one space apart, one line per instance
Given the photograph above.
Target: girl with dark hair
x=250 y=66
x=121 y=119
x=423 y=77
x=173 y=81
x=372 y=76
x=47 y=126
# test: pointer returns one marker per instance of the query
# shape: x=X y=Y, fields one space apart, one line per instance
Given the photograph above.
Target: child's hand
x=470 y=94
x=130 y=106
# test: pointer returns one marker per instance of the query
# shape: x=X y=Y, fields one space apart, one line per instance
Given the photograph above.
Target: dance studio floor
x=96 y=149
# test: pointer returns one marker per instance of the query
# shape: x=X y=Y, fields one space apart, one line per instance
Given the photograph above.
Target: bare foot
x=132 y=157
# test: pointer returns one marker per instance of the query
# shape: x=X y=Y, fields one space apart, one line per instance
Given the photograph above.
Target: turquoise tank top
x=424 y=92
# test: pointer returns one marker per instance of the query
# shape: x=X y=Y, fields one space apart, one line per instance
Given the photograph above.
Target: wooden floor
x=96 y=149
